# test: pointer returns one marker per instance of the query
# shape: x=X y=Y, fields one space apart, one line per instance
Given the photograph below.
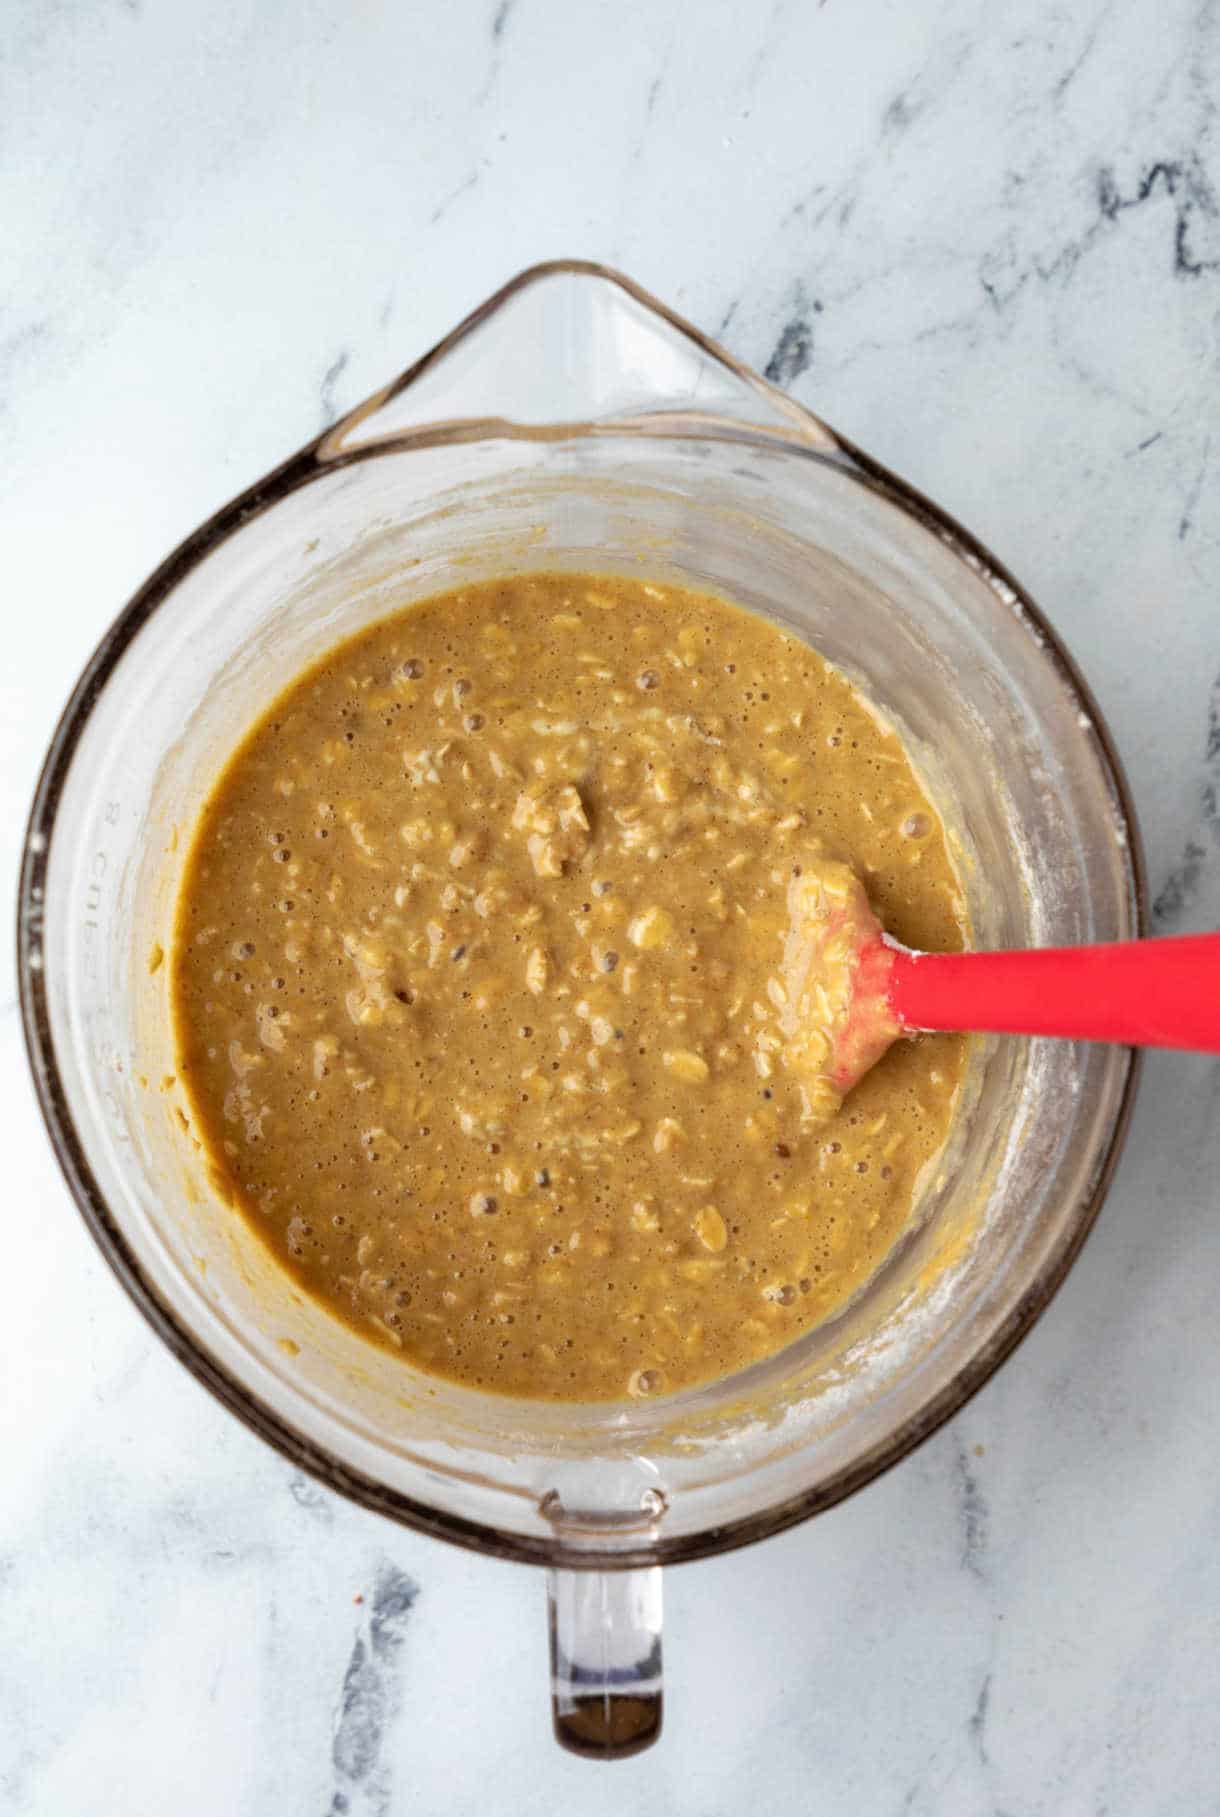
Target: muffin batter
x=479 y=986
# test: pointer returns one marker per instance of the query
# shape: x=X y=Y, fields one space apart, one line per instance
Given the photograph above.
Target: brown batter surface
x=479 y=986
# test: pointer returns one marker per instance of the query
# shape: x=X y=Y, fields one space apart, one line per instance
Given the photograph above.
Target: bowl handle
x=605 y=1628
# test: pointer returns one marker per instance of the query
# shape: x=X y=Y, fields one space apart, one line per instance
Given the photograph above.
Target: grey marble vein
x=331 y=379
x=1188 y=187
x=312 y=1499
x=1199 y=861
x=974 y=1514
x=794 y=349
x=1186 y=522
x=370 y=1700
x=455 y=195
x=498 y=33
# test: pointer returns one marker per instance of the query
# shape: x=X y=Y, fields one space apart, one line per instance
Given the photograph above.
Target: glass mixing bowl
x=573 y=422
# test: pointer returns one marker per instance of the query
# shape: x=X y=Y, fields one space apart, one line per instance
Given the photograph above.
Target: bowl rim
x=318 y=458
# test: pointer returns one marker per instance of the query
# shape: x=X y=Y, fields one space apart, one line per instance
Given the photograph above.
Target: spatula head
x=837 y=965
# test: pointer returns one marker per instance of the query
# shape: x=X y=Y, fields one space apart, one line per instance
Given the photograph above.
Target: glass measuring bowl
x=573 y=422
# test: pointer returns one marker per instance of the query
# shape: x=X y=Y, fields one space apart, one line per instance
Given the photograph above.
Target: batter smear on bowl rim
x=488 y=988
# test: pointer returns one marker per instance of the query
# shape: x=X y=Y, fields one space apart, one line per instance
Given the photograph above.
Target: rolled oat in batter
x=479 y=990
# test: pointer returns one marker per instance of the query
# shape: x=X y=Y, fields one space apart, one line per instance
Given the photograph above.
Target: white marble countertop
x=985 y=242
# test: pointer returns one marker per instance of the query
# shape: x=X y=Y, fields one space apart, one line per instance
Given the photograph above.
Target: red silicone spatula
x=853 y=991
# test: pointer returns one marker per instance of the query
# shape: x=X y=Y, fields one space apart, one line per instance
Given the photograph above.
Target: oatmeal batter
x=479 y=986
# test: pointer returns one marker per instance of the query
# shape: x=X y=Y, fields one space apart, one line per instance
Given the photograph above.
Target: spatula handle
x=1145 y=993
